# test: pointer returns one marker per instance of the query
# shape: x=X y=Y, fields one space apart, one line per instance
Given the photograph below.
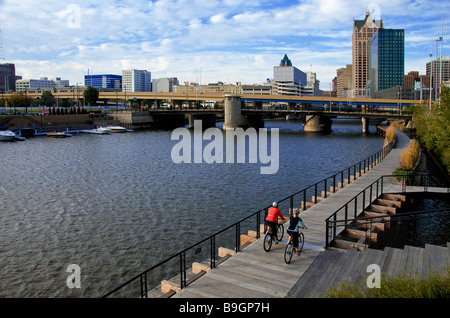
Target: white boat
x=117 y=129
x=105 y=130
x=7 y=135
x=98 y=131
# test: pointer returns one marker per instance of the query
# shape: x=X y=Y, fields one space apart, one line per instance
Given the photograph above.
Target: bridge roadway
x=254 y=273
x=172 y=97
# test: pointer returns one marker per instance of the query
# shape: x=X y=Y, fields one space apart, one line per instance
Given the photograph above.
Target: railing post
x=213 y=252
x=144 y=291
x=334 y=183
x=258 y=224
x=238 y=237
x=315 y=193
x=183 y=269
x=325 y=188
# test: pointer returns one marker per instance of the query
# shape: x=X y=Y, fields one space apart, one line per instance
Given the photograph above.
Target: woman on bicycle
x=272 y=217
x=294 y=221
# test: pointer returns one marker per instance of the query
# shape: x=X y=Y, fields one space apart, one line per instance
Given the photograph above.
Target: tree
x=90 y=95
x=432 y=126
x=47 y=98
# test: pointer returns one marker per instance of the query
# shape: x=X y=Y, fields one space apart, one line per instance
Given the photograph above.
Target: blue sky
x=205 y=40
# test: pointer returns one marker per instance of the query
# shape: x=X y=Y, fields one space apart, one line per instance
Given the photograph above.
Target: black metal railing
x=350 y=210
x=319 y=190
x=404 y=230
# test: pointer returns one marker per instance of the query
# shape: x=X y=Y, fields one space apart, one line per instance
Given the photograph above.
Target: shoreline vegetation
x=432 y=127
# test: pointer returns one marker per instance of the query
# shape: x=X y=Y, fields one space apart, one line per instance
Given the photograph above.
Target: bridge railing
x=230 y=237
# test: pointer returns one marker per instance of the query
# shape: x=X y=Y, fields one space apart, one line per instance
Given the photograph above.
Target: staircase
x=331 y=267
x=363 y=232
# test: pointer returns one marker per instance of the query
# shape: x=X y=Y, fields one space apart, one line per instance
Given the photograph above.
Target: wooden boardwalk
x=254 y=273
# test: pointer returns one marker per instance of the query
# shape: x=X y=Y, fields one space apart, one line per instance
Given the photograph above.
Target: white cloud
x=233 y=40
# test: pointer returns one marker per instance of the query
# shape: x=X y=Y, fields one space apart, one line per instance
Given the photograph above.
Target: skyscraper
x=136 y=81
x=387 y=64
x=7 y=77
x=288 y=80
x=363 y=31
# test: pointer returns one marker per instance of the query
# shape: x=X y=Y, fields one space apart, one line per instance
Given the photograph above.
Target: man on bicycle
x=272 y=217
x=294 y=221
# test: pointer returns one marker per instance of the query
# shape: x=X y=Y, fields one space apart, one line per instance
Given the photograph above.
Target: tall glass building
x=104 y=81
x=387 y=67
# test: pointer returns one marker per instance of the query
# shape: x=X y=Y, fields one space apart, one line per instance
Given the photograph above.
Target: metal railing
x=299 y=198
x=402 y=224
x=355 y=206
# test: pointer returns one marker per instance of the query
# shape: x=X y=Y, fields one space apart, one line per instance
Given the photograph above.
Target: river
x=116 y=204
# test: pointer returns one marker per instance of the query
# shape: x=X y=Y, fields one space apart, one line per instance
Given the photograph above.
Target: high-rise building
x=344 y=81
x=363 y=31
x=435 y=73
x=387 y=59
x=7 y=77
x=164 y=84
x=287 y=79
x=136 y=81
x=109 y=81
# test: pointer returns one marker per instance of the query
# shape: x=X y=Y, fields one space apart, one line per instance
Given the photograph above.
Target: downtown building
x=387 y=62
x=363 y=31
x=438 y=72
x=104 y=81
x=7 y=77
x=136 y=81
x=23 y=85
x=287 y=79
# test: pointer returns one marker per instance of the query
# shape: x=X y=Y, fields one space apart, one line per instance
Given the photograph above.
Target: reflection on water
x=117 y=204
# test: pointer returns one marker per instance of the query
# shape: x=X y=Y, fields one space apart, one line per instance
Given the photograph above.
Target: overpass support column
x=232 y=111
x=365 y=125
x=317 y=123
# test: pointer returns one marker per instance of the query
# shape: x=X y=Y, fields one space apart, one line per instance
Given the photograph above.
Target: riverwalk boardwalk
x=254 y=273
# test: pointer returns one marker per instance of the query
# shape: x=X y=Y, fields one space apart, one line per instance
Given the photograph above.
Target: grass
x=436 y=285
x=410 y=155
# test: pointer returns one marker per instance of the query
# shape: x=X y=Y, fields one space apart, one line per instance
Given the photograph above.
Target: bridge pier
x=208 y=120
x=233 y=114
x=317 y=123
x=365 y=125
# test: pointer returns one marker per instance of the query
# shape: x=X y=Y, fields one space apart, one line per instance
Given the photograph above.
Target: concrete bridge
x=237 y=114
x=242 y=110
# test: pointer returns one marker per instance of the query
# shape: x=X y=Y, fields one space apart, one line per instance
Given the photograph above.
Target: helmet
x=275 y=204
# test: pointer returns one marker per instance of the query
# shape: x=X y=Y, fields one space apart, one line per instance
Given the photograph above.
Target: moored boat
x=117 y=129
x=7 y=135
x=56 y=134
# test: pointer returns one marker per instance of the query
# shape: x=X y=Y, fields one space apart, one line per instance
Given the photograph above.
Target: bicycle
x=269 y=236
x=289 y=250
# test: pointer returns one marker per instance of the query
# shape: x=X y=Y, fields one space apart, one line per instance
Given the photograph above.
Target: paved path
x=254 y=273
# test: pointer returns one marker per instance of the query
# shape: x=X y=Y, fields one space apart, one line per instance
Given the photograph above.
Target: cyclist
x=272 y=217
x=294 y=221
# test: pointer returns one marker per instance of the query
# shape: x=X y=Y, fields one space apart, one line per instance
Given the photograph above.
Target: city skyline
x=205 y=41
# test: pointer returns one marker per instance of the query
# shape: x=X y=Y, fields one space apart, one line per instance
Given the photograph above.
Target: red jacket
x=273 y=214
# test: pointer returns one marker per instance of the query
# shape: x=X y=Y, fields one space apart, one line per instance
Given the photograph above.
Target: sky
x=205 y=41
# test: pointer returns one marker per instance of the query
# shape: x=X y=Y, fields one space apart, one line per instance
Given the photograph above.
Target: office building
x=387 y=62
x=23 y=85
x=363 y=31
x=344 y=81
x=439 y=73
x=287 y=79
x=108 y=81
x=164 y=84
x=136 y=81
x=7 y=77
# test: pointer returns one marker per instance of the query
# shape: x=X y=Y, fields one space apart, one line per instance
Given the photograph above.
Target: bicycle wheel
x=267 y=242
x=301 y=241
x=280 y=232
x=288 y=252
